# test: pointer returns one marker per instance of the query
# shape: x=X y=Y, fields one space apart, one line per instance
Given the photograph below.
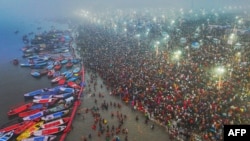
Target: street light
x=157 y=48
x=219 y=71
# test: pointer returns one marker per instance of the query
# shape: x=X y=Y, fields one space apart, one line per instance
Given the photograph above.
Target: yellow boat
x=28 y=132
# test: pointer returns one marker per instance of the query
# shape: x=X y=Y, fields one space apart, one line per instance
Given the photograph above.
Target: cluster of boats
x=48 y=110
x=43 y=117
x=46 y=65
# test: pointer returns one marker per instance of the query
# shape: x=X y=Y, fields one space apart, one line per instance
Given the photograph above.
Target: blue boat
x=41 y=138
x=34 y=116
x=36 y=92
x=50 y=67
x=26 y=65
x=65 y=95
x=6 y=136
x=73 y=79
x=55 y=115
x=67 y=90
x=76 y=70
x=43 y=96
x=65 y=61
x=36 y=106
x=35 y=73
x=75 y=61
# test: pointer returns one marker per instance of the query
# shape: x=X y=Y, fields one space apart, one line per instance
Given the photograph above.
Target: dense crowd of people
x=182 y=93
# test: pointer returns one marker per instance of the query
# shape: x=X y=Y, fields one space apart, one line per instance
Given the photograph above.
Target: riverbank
x=83 y=122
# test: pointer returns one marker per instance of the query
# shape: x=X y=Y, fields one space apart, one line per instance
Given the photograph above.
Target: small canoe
x=28 y=113
x=28 y=132
x=49 y=131
x=76 y=70
x=56 y=115
x=12 y=127
x=35 y=73
x=73 y=85
x=23 y=127
x=41 y=138
x=6 y=136
x=19 y=109
x=57 y=122
x=34 y=116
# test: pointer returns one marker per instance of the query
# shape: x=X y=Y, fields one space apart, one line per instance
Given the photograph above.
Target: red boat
x=49 y=131
x=58 y=67
x=23 y=127
x=28 y=113
x=58 y=78
x=62 y=81
x=73 y=85
x=69 y=64
x=56 y=122
x=19 y=109
x=13 y=127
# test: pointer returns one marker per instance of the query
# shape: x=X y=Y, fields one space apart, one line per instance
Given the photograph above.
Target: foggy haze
x=63 y=8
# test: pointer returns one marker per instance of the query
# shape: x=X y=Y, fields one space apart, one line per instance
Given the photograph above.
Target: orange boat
x=22 y=128
x=56 y=122
x=19 y=109
x=30 y=112
x=13 y=127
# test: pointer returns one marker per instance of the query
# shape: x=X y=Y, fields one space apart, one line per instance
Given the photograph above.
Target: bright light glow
x=219 y=70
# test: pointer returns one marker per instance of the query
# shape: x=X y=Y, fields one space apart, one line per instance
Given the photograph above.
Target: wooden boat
x=23 y=127
x=76 y=70
x=57 y=122
x=55 y=115
x=73 y=85
x=6 y=136
x=28 y=113
x=28 y=132
x=12 y=127
x=41 y=138
x=34 y=116
x=19 y=109
x=49 y=131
